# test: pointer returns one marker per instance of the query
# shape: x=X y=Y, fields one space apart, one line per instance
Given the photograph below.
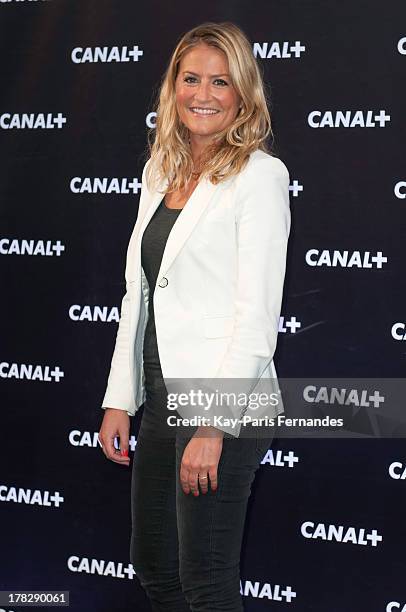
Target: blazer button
x=163 y=282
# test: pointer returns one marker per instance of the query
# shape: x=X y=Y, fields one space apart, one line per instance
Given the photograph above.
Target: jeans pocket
x=262 y=444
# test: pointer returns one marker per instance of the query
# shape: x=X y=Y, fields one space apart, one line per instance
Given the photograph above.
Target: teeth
x=204 y=111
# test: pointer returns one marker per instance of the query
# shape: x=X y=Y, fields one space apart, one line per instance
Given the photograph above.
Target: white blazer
x=218 y=295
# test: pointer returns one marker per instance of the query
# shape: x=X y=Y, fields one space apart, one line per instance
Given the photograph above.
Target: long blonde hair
x=168 y=144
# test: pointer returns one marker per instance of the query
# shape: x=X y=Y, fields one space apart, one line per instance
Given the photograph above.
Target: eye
x=221 y=81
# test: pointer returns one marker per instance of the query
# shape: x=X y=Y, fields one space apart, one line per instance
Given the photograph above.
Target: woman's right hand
x=115 y=423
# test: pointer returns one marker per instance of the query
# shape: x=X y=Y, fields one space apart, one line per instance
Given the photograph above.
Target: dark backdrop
x=348 y=187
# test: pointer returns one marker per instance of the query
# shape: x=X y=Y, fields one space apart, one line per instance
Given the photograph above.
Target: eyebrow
x=212 y=75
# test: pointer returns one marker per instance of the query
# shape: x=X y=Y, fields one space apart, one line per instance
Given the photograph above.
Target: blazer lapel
x=185 y=222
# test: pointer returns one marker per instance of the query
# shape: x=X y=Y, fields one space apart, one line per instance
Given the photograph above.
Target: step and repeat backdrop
x=325 y=528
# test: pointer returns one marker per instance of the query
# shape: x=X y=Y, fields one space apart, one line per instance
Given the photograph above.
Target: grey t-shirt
x=152 y=248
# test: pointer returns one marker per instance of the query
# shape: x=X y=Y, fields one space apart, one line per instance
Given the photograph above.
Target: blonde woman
x=204 y=276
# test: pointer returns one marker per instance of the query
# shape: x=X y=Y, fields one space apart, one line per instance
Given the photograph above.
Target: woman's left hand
x=200 y=460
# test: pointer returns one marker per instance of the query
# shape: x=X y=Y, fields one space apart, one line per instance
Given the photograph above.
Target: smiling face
x=206 y=100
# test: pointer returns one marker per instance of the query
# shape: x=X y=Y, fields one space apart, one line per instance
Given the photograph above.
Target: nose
x=203 y=92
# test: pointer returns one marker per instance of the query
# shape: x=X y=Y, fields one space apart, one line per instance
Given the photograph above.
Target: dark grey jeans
x=185 y=549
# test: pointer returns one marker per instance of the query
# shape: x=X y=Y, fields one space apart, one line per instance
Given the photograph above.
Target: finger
x=213 y=478
x=193 y=482
x=124 y=443
x=204 y=483
x=114 y=454
x=118 y=458
x=184 y=479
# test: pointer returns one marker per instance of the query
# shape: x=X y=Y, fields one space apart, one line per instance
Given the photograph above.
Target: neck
x=197 y=145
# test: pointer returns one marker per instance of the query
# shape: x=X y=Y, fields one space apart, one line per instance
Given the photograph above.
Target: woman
x=204 y=275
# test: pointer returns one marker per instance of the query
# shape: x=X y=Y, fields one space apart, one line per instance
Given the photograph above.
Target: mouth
x=203 y=112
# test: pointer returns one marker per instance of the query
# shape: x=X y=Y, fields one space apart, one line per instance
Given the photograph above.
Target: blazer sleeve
x=119 y=392
x=263 y=222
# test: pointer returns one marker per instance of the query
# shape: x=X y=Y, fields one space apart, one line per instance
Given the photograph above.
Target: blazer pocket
x=218 y=327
